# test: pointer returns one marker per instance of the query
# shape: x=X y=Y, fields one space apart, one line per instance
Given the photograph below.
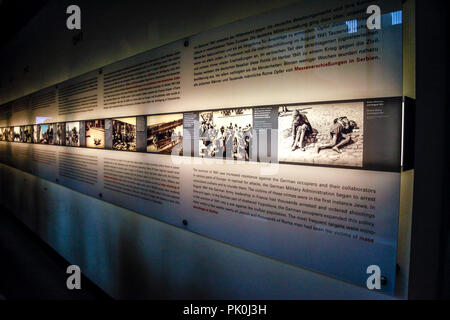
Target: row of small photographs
x=328 y=133
x=164 y=134
x=17 y=134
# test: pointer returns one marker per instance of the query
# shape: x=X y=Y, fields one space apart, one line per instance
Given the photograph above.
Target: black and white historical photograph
x=46 y=134
x=16 y=134
x=35 y=133
x=330 y=134
x=226 y=133
x=165 y=134
x=60 y=135
x=3 y=134
x=26 y=134
x=95 y=134
x=124 y=134
x=73 y=134
x=10 y=134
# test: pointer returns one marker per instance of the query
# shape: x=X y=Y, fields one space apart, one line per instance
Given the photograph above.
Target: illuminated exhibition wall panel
x=280 y=134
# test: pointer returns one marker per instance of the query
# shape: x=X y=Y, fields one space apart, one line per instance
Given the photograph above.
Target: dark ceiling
x=15 y=14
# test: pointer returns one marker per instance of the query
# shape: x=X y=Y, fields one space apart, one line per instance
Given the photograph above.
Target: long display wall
x=237 y=133
x=281 y=134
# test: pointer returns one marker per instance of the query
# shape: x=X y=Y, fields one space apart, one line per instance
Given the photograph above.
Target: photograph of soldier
x=16 y=134
x=322 y=133
x=165 y=134
x=26 y=134
x=73 y=134
x=46 y=134
x=95 y=134
x=124 y=134
x=226 y=133
x=60 y=135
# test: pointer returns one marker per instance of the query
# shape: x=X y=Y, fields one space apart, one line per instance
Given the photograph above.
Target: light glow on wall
x=396 y=17
x=352 y=26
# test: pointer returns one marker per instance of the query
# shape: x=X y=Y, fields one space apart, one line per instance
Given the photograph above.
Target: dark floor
x=31 y=270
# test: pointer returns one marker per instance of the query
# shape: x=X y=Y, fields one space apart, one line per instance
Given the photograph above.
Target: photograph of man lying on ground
x=329 y=133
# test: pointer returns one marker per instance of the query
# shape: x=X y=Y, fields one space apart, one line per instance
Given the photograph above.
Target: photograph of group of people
x=124 y=134
x=16 y=134
x=46 y=134
x=26 y=134
x=60 y=134
x=329 y=134
x=4 y=134
x=226 y=133
x=73 y=134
